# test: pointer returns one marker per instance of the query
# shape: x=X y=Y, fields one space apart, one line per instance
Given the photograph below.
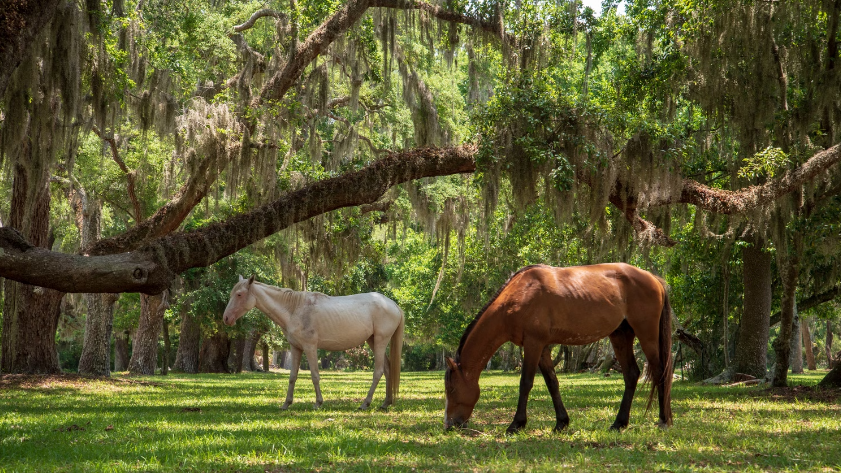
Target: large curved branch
x=494 y=27
x=750 y=198
x=810 y=302
x=150 y=269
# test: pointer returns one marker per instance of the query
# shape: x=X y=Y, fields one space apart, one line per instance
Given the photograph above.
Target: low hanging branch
x=150 y=269
x=256 y=16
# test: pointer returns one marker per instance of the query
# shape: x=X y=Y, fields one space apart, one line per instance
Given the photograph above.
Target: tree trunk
x=829 y=363
x=187 y=356
x=165 y=363
x=807 y=344
x=789 y=264
x=266 y=359
x=795 y=358
x=121 y=354
x=752 y=340
x=213 y=357
x=30 y=314
x=96 y=348
x=144 y=357
x=237 y=354
x=833 y=378
x=251 y=343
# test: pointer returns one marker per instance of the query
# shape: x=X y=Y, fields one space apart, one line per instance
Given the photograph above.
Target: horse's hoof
x=663 y=425
x=514 y=429
x=364 y=407
x=560 y=426
x=316 y=406
x=285 y=406
x=617 y=427
x=385 y=407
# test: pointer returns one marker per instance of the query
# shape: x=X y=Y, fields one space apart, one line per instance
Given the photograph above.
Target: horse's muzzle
x=450 y=424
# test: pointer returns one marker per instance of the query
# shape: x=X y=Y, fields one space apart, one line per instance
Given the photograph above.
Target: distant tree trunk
x=266 y=359
x=752 y=341
x=237 y=353
x=796 y=347
x=807 y=344
x=96 y=348
x=213 y=357
x=144 y=356
x=187 y=356
x=121 y=354
x=789 y=271
x=829 y=361
x=252 y=340
x=30 y=313
x=165 y=363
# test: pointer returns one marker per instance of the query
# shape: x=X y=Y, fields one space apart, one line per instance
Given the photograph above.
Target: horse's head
x=462 y=395
x=242 y=300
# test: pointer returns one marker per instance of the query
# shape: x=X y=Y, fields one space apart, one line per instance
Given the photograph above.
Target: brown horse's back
x=581 y=304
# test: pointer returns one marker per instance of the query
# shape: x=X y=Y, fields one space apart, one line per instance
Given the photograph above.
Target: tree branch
x=810 y=302
x=130 y=175
x=150 y=269
x=256 y=16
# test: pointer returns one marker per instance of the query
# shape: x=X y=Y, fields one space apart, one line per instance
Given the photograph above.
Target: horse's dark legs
x=547 y=369
x=622 y=340
x=530 y=362
x=293 y=376
x=657 y=373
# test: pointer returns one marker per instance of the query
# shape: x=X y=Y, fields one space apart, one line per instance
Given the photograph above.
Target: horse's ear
x=251 y=279
x=241 y=278
x=452 y=363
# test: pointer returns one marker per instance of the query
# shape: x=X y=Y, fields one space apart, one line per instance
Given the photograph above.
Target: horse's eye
x=239 y=295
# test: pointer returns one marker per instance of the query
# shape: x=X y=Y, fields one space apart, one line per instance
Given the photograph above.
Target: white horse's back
x=345 y=322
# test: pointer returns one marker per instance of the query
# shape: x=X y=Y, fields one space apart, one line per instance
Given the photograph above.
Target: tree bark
x=752 y=341
x=795 y=358
x=30 y=314
x=789 y=271
x=20 y=23
x=187 y=356
x=807 y=344
x=237 y=355
x=96 y=348
x=213 y=357
x=121 y=352
x=833 y=378
x=165 y=333
x=144 y=355
x=828 y=347
x=252 y=340
x=266 y=359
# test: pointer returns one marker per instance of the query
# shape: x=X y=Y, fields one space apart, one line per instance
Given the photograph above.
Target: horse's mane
x=491 y=301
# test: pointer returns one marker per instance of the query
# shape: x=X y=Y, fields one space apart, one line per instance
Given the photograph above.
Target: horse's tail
x=394 y=358
x=665 y=355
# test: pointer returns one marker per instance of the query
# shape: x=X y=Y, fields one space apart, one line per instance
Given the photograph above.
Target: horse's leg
x=386 y=370
x=379 y=362
x=531 y=359
x=312 y=360
x=293 y=376
x=651 y=349
x=622 y=340
x=547 y=368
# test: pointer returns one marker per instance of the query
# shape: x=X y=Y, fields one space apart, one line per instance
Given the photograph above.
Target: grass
x=232 y=423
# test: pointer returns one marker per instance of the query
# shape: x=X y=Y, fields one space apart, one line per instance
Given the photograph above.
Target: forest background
x=152 y=151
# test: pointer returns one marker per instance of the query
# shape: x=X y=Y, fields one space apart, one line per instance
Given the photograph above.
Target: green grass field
x=232 y=423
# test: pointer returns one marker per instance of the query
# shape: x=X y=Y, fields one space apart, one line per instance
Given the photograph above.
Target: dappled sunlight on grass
x=233 y=423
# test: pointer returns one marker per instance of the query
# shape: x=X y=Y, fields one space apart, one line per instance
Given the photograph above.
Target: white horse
x=312 y=320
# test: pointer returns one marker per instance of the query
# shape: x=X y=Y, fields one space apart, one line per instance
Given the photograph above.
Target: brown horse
x=540 y=306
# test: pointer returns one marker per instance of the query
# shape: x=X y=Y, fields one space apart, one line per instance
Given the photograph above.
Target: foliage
x=224 y=423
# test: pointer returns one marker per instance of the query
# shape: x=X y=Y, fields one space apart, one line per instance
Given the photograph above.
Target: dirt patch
x=48 y=381
x=811 y=393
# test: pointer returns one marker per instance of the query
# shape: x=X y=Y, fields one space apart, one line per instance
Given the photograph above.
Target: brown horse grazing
x=540 y=306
